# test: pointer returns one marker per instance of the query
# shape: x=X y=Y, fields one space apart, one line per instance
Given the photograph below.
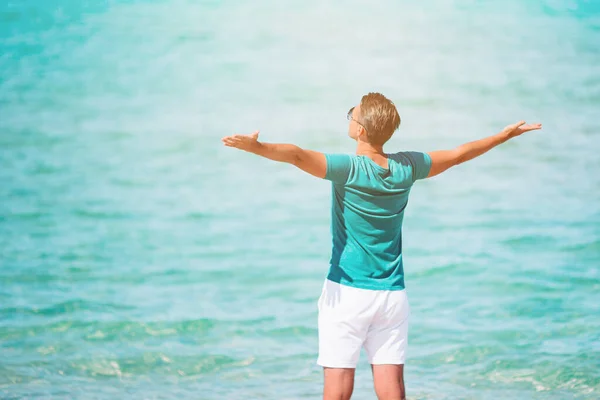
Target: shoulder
x=339 y=157
x=409 y=157
x=339 y=166
x=419 y=163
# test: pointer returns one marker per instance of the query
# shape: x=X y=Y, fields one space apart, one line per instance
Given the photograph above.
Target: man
x=363 y=302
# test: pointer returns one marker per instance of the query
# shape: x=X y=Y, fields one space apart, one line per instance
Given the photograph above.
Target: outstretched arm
x=309 y=161
x=445 y=159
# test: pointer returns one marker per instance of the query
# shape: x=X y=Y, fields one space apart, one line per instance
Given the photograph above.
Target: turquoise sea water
x=141 y=259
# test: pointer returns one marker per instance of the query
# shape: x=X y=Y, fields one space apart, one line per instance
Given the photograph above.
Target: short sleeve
x=338 y=168
x=421 y=164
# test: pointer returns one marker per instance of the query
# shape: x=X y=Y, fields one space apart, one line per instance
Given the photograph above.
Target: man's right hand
x=445 y=159
x=520 y=128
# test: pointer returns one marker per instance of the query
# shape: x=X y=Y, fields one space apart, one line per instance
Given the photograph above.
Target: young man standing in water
x=363 y=301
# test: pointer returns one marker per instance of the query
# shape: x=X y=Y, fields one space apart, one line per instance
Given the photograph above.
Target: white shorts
x=350 y=318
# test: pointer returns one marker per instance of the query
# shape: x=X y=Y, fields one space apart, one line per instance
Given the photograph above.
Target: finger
x=532 y=127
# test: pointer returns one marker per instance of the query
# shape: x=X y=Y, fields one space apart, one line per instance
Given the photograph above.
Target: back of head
x=380 y=118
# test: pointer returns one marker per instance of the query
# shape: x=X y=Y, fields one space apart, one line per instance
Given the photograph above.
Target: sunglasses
x=351 y=118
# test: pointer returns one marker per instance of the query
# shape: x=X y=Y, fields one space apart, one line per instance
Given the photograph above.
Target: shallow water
x=141 y=259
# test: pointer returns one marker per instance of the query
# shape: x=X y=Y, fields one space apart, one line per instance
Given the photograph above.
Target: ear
x=361 y=132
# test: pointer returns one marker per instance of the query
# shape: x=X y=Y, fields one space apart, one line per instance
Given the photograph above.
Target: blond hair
x=380 y=117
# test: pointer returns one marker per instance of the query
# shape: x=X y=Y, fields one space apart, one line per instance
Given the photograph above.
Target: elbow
x=459 y=157
x=296 y=158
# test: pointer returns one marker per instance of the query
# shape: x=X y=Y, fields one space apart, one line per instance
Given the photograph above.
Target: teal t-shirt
x=368 y=203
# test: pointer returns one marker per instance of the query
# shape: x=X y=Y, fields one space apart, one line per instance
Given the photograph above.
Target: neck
x=367 y=149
